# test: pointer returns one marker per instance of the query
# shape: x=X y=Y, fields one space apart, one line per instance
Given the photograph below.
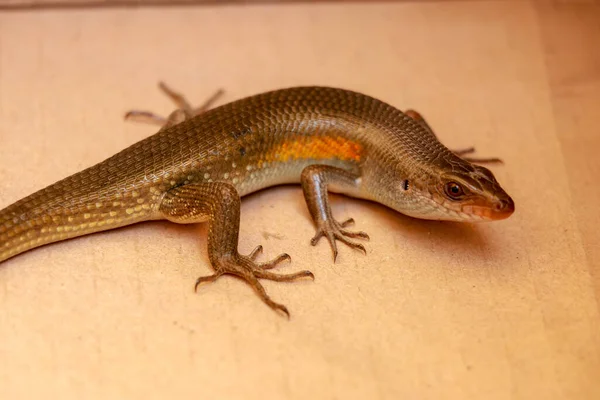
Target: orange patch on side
x=319 y=148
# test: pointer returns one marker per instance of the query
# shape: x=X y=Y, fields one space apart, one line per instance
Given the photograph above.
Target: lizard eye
x=454 y=190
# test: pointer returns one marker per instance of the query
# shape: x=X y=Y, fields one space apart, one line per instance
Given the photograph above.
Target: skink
x=199 y=165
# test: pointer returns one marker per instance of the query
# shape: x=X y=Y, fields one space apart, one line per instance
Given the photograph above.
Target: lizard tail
x=64 y=210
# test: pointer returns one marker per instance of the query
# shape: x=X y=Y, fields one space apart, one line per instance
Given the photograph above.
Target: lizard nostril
x=504 y=205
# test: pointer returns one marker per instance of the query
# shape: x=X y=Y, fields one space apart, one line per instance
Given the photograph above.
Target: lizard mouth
x=498 y=210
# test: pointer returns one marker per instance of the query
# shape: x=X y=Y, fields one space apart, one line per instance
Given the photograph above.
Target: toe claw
x=256 y=252
x=305 y=274
x=348 y=222
x=275 y=306
x=276 y=261
x=361 y=248
x=317 y=237
x=331 y=238
x=282 y=308
x=205 y=279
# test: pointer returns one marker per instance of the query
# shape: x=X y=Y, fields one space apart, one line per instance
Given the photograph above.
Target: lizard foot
x=462 y=152
x=184 y=109
x=246 y=268
x=471 y=150
x=334 y=230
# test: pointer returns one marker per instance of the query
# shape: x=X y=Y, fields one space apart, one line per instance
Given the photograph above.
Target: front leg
x=219 y=202
x=315 y=181
x=461 y=152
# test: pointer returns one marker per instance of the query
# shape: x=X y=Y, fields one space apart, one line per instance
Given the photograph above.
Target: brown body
x=197 y=170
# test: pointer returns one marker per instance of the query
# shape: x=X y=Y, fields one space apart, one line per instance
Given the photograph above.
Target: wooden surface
x=506 y=310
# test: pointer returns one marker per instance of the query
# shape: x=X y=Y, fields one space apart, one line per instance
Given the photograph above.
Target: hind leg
x=184 y=109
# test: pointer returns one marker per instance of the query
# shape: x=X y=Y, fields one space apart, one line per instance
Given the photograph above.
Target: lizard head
x=464 y=192
x=474 y=194
x=456 y=191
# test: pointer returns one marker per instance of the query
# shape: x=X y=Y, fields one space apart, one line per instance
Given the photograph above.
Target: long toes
x=492 y=160
x=248 y=270
x=361 y=234
x=273 y=263
x=317 y=237
x=261 y=274
x=209 y=102
x=146 y=117
x=331 y=238
x=352 y=244
x=252 y=279
x=138 y=114
x=278 y=307
x=206 y=279
x=362 y=248
x=177 y=98
x=255 y=253
x=348 y=222
x=462 y=152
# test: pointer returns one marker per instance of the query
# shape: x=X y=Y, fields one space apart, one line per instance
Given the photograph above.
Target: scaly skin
x=197 y=167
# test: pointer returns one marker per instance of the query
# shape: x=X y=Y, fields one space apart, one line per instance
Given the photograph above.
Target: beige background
x=506 y=310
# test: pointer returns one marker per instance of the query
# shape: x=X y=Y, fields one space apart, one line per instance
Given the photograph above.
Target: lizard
x=203 y=160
